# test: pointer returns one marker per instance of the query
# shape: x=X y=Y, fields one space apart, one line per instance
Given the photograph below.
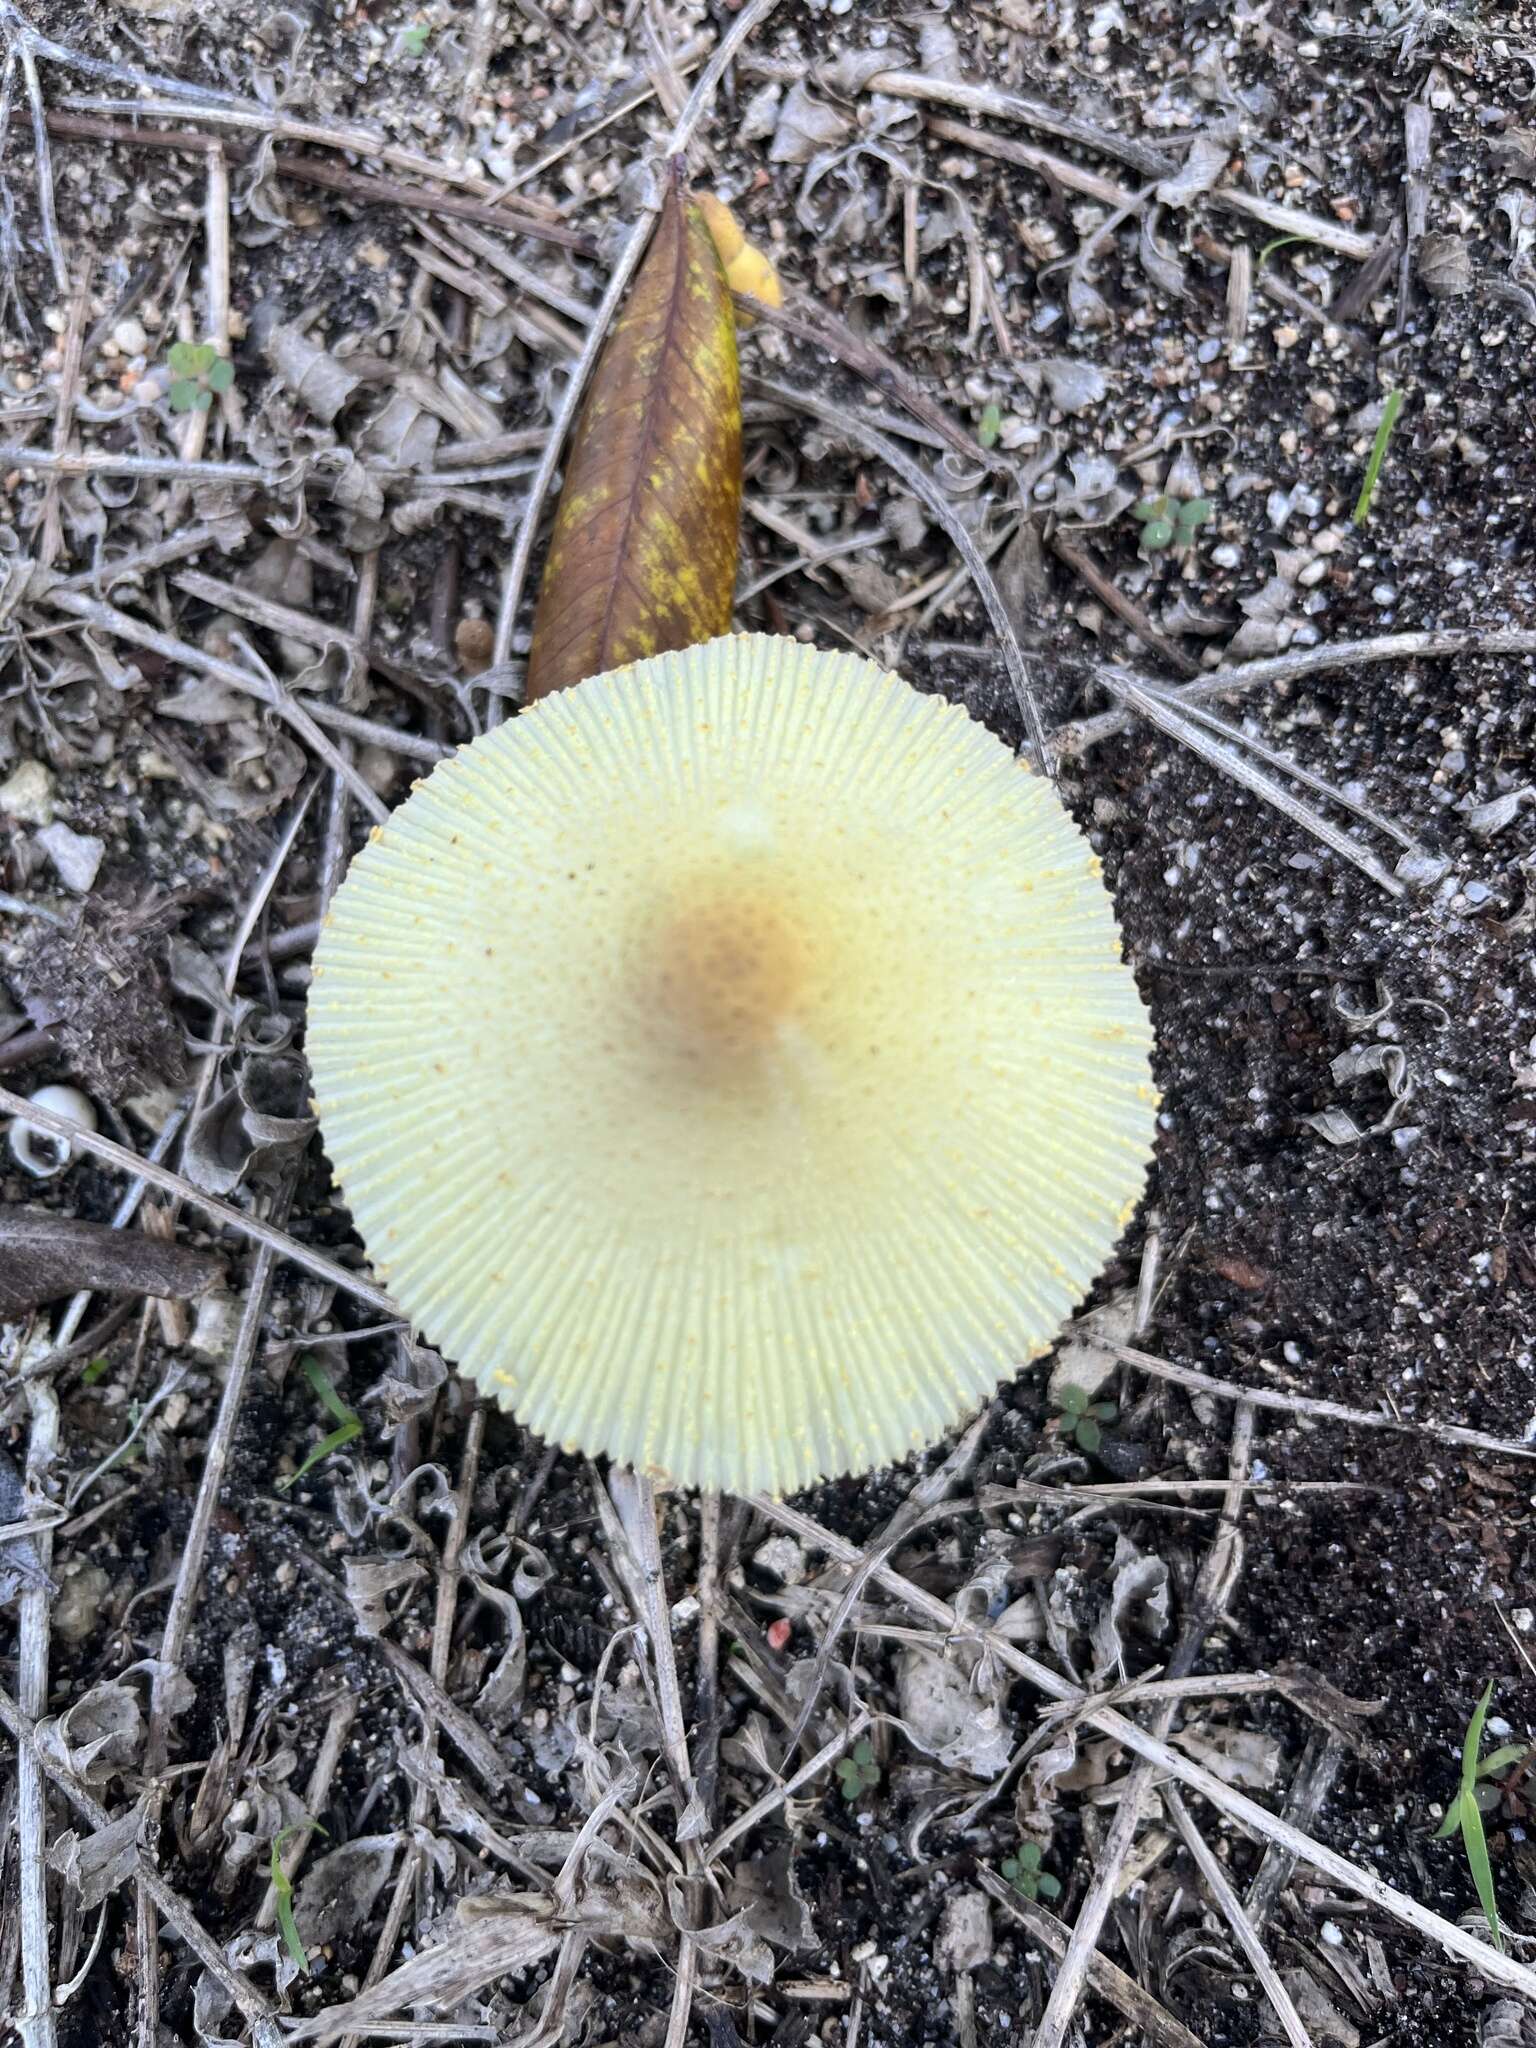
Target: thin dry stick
x=1082 y=564
x=121 y=625
x=1106 y=1978
x=1152 y=160
x=178 y=1616
x=1161 y=711
x=1309 y=1787
x=921 y=486
x=1220 y=1887
x=1322 y=1411
x=194 y=434
x=38 y=2023
x=772 y=1800
x=112 y=1154
x=338 y=1728
x=173 y=1908
x=1499 y=1969
x=26 y=49
x=1212 y=1587
x=699 y=102
x=1291 y=220
x=442 y=1645
x=1081 y=734
x=189 y=1571
x=64 y=414
x=111 y=462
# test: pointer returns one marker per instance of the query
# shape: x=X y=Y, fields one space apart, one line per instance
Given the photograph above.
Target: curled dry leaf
x=43 y=1256
x=643 y=559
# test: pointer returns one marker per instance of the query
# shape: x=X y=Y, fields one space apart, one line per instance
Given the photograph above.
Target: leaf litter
x=345 y=546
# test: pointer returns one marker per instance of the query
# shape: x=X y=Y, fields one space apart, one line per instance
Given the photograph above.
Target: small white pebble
x=76 y=855
x=39 y=1152
x=130 y=337
x=27 y=794
x=1332 y=1934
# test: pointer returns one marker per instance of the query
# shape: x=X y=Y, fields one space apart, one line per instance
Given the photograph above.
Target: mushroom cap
x=730 y=1063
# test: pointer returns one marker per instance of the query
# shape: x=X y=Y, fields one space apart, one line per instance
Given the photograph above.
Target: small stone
x=1383 y=593
x=76 y=855
x=27 y=794
x=1287 y=337
x=130 y=337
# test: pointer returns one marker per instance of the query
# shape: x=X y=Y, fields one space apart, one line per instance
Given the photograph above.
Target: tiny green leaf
x=1150 y=508
x=183 y=396
x=991 y=425
x=1280 y=242
x=1157 y=533
x=1089 y=1435
x=1501 y=1759
x=1074 y=1401
x=222 y=375
x=1390 y=411
x=1048 y=1886
x=201 y=400
x=413 y=40
x=282 y=1892
x=348 y=1425
x=1104 y=1411
x=183 y=358
x=1476 y=1844
x=1451 y=1822
x=1194 y=512
x=97 y=1369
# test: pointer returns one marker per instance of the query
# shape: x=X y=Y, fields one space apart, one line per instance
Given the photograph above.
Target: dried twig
x=943 y=512
x=171 y=1906
x=1322 y=1411
x=220 y=1212
x=1104 y=1977
x=122 y=626
x=1077 y=737
x=38 y=2022
x=1212 y=1589
x=1220 y=1887
x=1498 y=1968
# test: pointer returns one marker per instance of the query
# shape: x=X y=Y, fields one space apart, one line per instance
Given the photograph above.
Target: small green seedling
x=282 y=1891
x=198 y=371
x=1466 y=1809
x=858 y=1772
x=1080 y=1418
x=96 y=1370
x=347 y=1424
x=413 y=40
x=1171 y=522
x=1023 y=1872
x=990 y=425
x=1280 y=242
x=1389 y=413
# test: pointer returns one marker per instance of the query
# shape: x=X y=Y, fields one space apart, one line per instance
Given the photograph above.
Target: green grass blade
x=1475 y=1842
x=1501 y=1759
x=1473 y=1740
x=1390 y=411
x=282 y=1892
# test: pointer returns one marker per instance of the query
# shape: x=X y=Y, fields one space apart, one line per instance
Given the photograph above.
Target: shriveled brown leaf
x=643 y=559
x=43 y=1256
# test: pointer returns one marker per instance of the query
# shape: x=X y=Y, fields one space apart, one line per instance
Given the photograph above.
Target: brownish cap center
x=722 y=972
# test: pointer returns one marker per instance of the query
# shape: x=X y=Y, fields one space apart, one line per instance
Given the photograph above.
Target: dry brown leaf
x=43 y=1256
x=643 y=559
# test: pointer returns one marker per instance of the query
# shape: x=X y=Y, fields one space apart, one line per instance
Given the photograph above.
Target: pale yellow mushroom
x=731 y=1064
